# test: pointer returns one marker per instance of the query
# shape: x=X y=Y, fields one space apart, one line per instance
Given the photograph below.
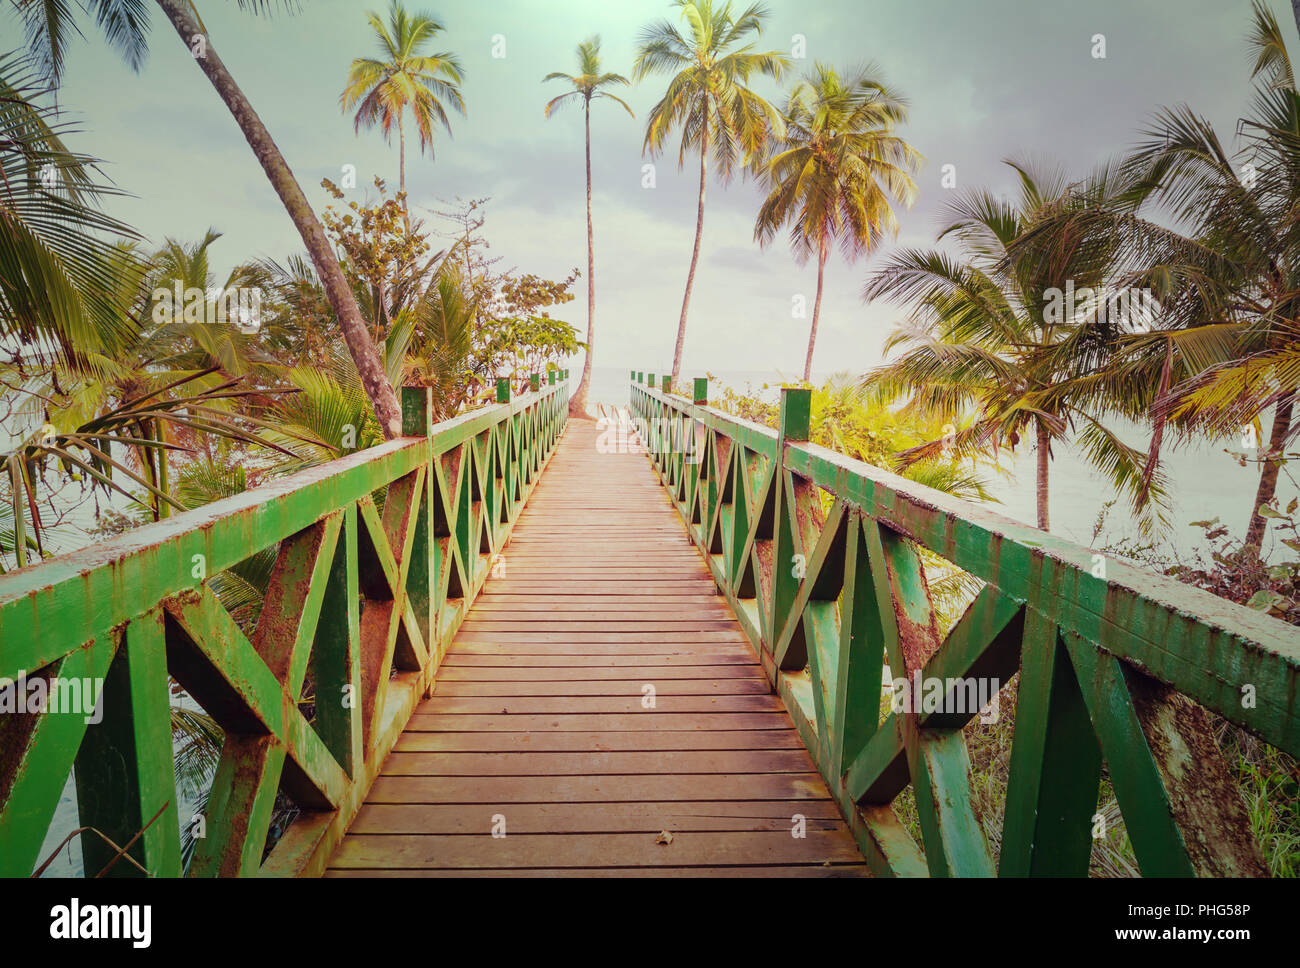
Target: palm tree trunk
x=355 y=334
x=1269 y=474
x=401 y=172
x=695 y=256
x=1044 y=462
x=578 y=405
x=817 y=308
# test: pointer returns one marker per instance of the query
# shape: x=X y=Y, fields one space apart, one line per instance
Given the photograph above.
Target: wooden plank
x=578 y=674
x=549 y=818
x=608 y=687
x=699 y=739
x=806 y=870
x=597 y=660
x=726 y=848
x=532 y=763
x=593 y=643
x=597 y=789
x=441 y=705
x=597 y=721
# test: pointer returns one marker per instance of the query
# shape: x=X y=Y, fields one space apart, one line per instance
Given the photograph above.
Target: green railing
x=378 y=556
x=821 y=558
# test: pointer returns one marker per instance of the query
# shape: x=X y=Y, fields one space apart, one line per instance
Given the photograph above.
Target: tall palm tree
x=836 y=173
x=587 y=85
x=382 y=90
x=125 y=25
x=709 y=99
x=984 y=338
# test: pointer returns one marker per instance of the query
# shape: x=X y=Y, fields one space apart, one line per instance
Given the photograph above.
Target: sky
x=985 y=80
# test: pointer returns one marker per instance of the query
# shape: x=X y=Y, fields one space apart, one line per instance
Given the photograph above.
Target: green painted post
x=650 y=380
x=796 y=413
x=701 y=396
x=634 y=374
x=550 y=377
x=640 y=377
x=668 y=383
x=534 y=382
x=417 y=411
x=503 y=390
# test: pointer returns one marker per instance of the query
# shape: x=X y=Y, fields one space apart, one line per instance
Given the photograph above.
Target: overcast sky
x=986 y=79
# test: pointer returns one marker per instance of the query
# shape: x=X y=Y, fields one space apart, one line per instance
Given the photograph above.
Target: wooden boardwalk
x=539 y=724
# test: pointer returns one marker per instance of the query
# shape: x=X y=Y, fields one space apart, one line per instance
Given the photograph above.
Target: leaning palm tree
x=986 y=334
x=587 y=85
x=1233 y=271
x=709 y=99
x=837 y=172
x=1244 y=246
x=125 y=25
x=382 y=89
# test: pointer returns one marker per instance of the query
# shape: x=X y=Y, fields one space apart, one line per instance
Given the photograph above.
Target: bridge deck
x=538 y=720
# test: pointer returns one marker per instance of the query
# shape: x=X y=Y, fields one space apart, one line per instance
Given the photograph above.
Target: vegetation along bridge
x=491 y=646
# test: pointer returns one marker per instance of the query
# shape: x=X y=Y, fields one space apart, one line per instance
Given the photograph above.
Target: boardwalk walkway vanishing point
x=600 y=711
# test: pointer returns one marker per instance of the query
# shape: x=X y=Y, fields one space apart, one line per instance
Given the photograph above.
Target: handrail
x=1106 y=652
x=378 y=556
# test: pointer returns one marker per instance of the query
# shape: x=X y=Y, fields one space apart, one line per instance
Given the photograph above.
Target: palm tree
x=709 y=99
x=587 y=85
x=836 y=172
x=1234 y=270
x=984 y=336
x=126 y=26
x=1253 y=263
x=57 y=276
x=382 y=90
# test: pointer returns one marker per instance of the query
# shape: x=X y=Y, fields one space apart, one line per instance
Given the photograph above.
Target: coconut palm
x=836 y=173
x=381 y=90
x=709 y=100
x=57 y=275
x=1242 y=210
x=1233 y=272
x=125 y=25
x=987 y=331
x=587 y=86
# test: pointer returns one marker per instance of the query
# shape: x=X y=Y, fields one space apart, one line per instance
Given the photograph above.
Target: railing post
x=668 y=383
x=534 y=382
x=793 y=426
x=417 y=411
x=503 y=389
x=550 y=377
x=796 y=417
x=701 y=396
x=650 y=380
